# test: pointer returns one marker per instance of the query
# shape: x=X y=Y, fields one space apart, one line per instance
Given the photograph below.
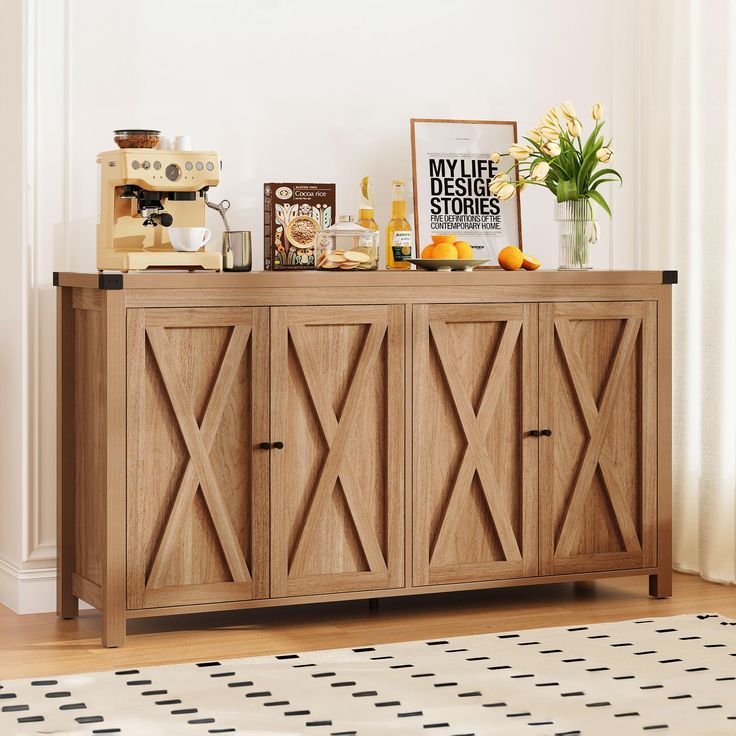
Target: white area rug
x=667 y=675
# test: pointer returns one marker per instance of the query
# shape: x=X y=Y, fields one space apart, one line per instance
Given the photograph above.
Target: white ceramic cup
x=164 y=143
x=189 y=239
x=182 y=143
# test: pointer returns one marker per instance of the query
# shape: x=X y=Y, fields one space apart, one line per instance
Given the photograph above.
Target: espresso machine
x=143 y=192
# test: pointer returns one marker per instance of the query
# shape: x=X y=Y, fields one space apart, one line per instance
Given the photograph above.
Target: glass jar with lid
x=346 y=246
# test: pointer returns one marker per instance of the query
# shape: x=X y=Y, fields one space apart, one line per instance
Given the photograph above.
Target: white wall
x=26 y=573
x=284 y=90
x=11 y=277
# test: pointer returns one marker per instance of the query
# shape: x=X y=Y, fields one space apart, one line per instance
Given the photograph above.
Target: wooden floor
x=39 y=644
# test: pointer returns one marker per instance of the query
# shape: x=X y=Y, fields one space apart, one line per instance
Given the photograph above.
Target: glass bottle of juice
x=399 y=239
x=365 y=213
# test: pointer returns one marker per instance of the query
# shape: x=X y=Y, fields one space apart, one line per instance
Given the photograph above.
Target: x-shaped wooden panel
x=199 y=442
x=597 y=452
x=337 y=434
x=476 y=428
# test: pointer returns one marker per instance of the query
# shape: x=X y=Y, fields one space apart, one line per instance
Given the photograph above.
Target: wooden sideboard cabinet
x=232 y=441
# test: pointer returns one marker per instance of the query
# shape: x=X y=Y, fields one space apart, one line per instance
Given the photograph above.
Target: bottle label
x=401 y=245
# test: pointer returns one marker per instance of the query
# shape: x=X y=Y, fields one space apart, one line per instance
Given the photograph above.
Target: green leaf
x=569 y=151
x=592 y=143
x=566 y=190
x=557 y=165
x=602 y=172
x=599 y=181
x=534 y=144
x=598 y=198
x=588 y=164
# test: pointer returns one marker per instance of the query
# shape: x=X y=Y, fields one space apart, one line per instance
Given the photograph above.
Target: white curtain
x=687 y=182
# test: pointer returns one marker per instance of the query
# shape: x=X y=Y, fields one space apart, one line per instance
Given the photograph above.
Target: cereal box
x=293 y=214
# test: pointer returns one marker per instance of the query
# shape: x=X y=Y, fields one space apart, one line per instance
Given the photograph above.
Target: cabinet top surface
x=377 y=279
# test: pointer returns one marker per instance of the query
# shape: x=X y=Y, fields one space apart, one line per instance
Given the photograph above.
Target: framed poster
x=452 y=171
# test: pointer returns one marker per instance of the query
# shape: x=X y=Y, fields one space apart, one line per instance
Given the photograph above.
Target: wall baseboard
x=27 y=591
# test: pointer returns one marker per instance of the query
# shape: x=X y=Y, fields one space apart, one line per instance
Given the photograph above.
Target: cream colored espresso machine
x=145 y=191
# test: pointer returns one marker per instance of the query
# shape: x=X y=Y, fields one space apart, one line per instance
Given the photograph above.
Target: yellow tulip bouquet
x=555 y=156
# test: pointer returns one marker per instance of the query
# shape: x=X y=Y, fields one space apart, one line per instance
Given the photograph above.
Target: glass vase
x=577 y=233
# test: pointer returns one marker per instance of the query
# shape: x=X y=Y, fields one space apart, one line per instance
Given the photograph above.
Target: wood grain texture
x=375 y=385
x=419 y=292
x=337 y=488
x=474 y=494
x=198 y=481
x=114 y=472
x=374 y=279
x=39 y=644
x=84 y=446
x=87 y=591
x=87 y=299
x=661 y=583
x=67 y=605
x=408 y=459
x=355 y=592
x=597 y=472
x=198 y=447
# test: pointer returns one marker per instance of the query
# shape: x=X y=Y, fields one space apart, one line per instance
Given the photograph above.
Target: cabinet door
x=197 y=479
x=598 y=367
x=475 y=464
x=337 y=402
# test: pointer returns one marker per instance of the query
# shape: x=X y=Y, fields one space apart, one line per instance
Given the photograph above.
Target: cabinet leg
x=67 y=604
x=113 y=570
x=113 y=629
x=373 y=604
x=660 y=585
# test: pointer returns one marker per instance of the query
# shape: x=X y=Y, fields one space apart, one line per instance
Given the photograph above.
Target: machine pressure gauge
x=173 y=172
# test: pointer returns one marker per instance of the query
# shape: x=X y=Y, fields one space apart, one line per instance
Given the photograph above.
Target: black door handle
x=546 y=432
x=265 y=446
x=534 y=433
x=278 y=445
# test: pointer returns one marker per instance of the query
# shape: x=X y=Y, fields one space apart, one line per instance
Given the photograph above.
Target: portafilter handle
x=159 y=218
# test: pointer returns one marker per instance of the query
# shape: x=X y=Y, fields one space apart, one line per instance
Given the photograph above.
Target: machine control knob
x=173 y=172
x=157 y=165
x=135 y=165
x=210 y=166
x=146 y=165
x=199 y=165
x=188 y=165
x=166 y=219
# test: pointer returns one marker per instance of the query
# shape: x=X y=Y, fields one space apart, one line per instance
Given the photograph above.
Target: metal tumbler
x=236 y=250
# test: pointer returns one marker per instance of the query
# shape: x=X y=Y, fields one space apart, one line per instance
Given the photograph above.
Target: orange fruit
x=510 y=258
x=530 y=263
x=436 y=239
x=427 y=251
x=463 y=249
x=445 y=251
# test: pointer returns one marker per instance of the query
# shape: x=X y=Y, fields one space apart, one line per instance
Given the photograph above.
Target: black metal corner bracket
x=111 y=281
x=669 y=277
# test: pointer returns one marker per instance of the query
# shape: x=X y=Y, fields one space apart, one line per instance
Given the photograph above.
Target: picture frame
x=451 y=171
